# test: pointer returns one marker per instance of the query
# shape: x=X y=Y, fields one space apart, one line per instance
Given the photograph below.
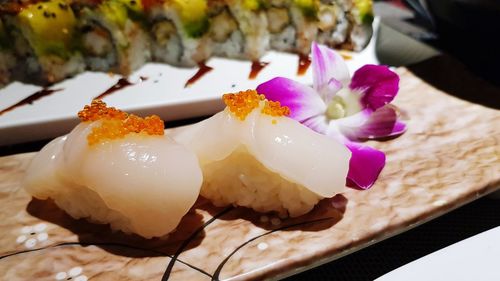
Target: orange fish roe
x=116 y=123
x=98 y=110
x=242 y=103
x=274 y=108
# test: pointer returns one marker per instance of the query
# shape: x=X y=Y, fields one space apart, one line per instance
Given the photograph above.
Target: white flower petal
x=21 y=239
x=40 y=227
x=42 y=236
x=75 y=271
x=30 y=243
x=26 y=229
x=61 y=275
x=81 y=278
x=262 y=246
x=327 y=64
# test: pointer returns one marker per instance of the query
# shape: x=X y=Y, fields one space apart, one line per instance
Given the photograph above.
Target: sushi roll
x=7 y=58
x=44 y=39
x=189 y=32
x=112 y=34
x=119 y=169
x=179 y=31
x=294 y=25
x=56 y=39
x=352 y=29
x=239 y=28
x=252 y=155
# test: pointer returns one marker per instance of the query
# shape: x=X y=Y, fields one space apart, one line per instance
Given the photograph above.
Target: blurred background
x=465 y=29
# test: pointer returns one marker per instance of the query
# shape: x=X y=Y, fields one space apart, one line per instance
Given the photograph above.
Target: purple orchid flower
x=349 y=110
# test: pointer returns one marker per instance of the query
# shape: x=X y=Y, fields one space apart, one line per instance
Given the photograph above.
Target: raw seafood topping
x=98 y=110
x=274 y=108
x=117 y=124
x=242 y=103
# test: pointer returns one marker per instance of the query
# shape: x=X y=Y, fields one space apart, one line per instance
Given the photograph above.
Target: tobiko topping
x=274 y=108
x=242 y=103
x=116 y=124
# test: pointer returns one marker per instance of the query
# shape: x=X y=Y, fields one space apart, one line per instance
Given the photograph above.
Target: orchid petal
x=368 y=124
x=327 y=65
x=378 y=84
x=317 y=123
x=302 y=100
x=365 y=165
x=330 y=90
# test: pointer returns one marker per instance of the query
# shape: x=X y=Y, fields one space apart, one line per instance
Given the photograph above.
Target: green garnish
x=365 y=9
x=309 y=8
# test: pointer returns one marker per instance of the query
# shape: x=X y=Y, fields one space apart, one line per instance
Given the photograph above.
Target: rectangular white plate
x=475 y=258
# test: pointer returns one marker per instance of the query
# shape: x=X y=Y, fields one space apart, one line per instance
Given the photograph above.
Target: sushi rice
x=241 y=180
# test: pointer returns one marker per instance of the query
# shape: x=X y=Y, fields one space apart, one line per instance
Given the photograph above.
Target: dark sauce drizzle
x=202 y=70
x=304 y=63
x=30 y=99
x=120 y=84
x=257 y=67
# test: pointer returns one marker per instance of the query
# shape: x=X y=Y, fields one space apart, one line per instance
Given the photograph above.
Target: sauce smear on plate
x=122 y=83
x=304 y=63
x=257 y=67
x=31 y=98
x=202 y=70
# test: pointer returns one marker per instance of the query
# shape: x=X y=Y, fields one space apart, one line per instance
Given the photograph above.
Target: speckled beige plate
x=449 y=156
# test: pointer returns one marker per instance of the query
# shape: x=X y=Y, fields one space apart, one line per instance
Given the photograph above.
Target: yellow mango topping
x=193 y=14
x=116 y=124
x=242 y=103
x=49 y=26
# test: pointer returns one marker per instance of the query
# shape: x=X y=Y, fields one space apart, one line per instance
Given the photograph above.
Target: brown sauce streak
x=304 y=63
x=257 y=67
x=122 y=83
x=30 y=99
x=202 y=70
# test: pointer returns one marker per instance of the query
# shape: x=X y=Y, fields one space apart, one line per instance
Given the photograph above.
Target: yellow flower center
x=336 y=109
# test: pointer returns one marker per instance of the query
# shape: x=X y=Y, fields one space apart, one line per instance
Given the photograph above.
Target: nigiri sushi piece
x=119 y=169
x=252 y=155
